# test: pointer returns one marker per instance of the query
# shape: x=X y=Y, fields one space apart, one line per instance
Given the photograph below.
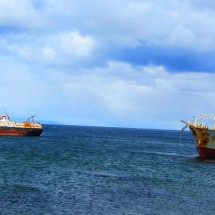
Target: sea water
x=94 y=170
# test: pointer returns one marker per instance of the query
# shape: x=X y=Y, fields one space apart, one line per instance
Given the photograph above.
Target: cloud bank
x=123 y=63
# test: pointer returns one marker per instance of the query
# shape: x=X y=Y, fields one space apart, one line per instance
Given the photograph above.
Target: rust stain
x=26 y=125
x=201 y=136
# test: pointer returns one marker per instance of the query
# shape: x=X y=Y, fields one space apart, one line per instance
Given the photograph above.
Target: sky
x=124 y=63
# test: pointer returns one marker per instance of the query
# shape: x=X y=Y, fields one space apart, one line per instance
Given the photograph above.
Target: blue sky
x=125 y=63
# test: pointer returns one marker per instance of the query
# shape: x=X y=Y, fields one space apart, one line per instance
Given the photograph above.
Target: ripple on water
x=89 y=170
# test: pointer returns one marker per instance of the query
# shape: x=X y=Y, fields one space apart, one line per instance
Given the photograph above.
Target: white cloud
x=46 y=47
x=69 y=48
x=133 y=23
x=20 y=14
x=49 y=54
x=75 y=44
x=61 y=48
x=118 y=94
x=140 y=96
x=123 y=22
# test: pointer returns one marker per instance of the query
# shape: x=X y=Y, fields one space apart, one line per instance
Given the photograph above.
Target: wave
x=163 y=153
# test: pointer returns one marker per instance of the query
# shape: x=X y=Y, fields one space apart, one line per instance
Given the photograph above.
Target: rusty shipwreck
x=28 y=128
x=204 y=134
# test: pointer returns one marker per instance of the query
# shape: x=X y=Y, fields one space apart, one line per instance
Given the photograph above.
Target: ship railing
x=210 y=119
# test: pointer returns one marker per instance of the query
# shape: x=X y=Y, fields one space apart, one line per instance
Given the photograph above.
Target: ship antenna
x=6 y=113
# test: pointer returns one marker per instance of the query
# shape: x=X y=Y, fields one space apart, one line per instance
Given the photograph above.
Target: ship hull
x=206 y=152
x=205 y=141
x=12 y=131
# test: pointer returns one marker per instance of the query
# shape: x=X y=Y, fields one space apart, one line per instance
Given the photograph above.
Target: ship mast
x=7 y=116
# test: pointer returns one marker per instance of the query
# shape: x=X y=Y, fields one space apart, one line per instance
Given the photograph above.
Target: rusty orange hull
x=205 y=141
x=12 y=131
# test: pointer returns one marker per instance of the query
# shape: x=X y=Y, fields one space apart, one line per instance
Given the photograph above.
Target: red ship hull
x=5 y=131
x=206 y=152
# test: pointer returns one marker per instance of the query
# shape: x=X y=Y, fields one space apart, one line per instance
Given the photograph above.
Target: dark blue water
x=91 y=170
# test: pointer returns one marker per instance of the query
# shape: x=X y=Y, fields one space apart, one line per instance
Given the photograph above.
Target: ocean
x=96 y=170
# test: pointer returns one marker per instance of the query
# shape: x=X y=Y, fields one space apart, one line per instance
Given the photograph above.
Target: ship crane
x=32 y=118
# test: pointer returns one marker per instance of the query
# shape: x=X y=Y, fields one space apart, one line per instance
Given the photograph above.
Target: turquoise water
x=92 y=170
